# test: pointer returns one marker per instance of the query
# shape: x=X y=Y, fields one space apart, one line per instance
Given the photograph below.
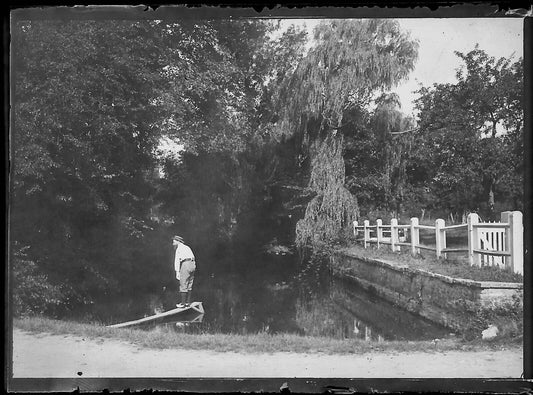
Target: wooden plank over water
x=196 y=307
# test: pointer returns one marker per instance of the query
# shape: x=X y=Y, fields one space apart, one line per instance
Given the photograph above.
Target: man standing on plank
x=185 y=266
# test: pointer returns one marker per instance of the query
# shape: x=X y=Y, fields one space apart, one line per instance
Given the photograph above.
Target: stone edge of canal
x=448 y=301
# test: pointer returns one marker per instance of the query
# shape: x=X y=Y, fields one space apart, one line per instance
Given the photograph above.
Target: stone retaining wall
x=452 y=302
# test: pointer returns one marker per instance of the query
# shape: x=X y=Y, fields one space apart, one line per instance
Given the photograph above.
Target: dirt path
x=45 y=355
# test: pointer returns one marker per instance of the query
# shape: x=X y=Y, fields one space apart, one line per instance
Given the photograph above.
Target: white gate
x=492 y=240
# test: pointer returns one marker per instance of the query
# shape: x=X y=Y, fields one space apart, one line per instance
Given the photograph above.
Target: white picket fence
x=489 y=243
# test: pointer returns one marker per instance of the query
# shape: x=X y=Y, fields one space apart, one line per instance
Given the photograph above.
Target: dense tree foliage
x=84 y=132
x=468 y=151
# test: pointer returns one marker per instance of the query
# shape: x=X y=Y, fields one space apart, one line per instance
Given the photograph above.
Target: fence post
x=440 y=237
x=394 y=235
x=366 y=232
x=516 y=246
x=355 y=230
x=505 y=217
x=473 y=239
x=379 y=231
x=415 y=239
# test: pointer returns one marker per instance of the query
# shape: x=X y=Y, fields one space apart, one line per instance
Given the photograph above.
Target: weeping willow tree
x=350 y=62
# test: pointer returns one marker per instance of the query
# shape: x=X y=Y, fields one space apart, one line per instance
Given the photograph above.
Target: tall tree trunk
x=333 y=208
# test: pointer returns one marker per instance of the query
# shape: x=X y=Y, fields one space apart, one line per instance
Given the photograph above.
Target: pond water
x=273 y=294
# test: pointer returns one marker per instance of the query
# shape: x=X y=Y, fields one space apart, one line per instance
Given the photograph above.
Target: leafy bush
x=32 y=291
x=507 y=317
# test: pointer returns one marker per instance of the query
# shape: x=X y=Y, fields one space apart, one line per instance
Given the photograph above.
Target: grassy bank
x=453 y=267
x=161 y=338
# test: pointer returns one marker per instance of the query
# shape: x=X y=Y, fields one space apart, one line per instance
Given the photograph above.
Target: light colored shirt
x=182 y=252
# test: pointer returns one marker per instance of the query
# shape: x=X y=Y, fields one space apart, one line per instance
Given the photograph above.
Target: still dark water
x=268 y=295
